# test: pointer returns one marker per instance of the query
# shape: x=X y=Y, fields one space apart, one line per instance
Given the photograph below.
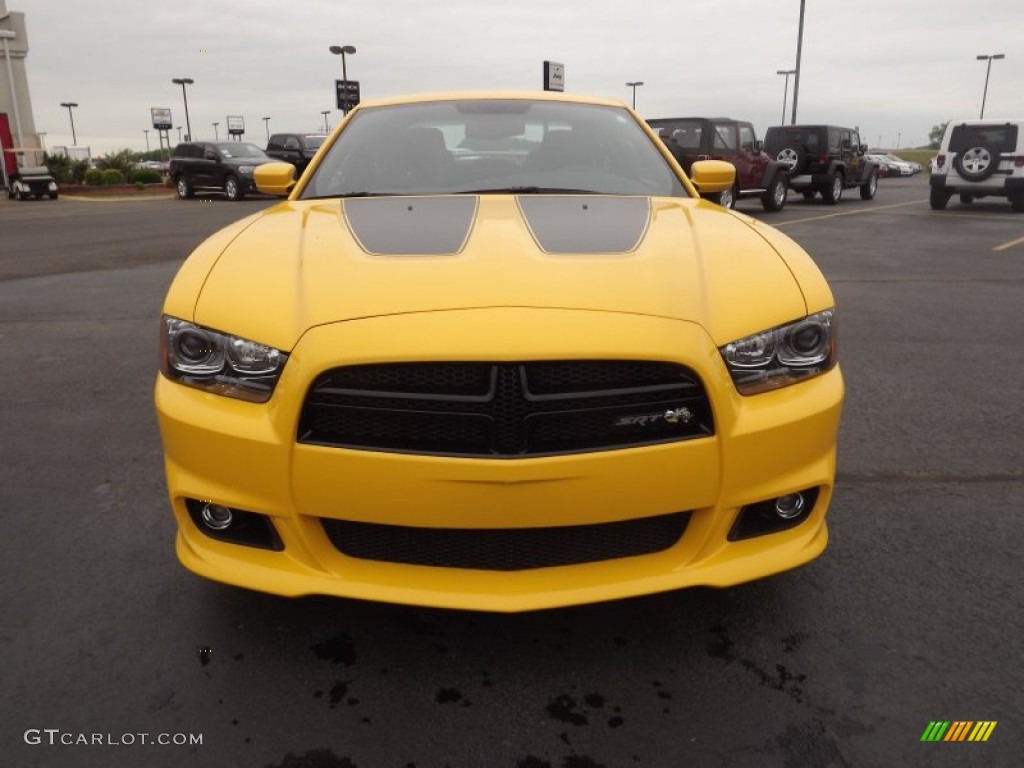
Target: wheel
x=233 y=189
x=834 y=191
x=869 y=187
x=726 y=198
x=808 y=194
x=1017 y=202
x=938 y=198
x=794 y=156
x=183 y=188
x=977 y=163
x=774 y=198
x=966 y=198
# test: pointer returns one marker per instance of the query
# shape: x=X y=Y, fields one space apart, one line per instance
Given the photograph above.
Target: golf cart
x=28 y=179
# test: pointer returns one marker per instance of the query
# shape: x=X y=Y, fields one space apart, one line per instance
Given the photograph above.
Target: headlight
x=223 y=364
x=246 y=170
x=782 y=356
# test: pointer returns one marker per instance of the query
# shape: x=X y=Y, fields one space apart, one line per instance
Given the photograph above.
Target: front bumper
x=246 y=456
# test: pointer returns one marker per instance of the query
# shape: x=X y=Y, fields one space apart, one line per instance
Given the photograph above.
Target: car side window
x=291 y=142
x=747 y=137
x=725 y=137
x=275 y=142
x=833 y=140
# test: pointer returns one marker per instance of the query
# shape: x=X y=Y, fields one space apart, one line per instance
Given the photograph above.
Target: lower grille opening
x=506 y=549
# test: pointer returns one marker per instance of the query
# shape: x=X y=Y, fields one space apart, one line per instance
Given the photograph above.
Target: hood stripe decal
x=411 y=226
x=570 y=224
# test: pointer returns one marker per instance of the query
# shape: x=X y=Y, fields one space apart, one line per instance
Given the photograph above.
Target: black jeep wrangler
x=734 y=141
x=823 y=158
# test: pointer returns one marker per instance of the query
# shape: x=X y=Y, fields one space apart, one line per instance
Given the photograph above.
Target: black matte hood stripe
x=586 y=223
x=411 y=226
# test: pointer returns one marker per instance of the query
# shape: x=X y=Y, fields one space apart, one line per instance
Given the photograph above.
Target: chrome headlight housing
x=246 y=170
x=782 y=356
x=218 y=362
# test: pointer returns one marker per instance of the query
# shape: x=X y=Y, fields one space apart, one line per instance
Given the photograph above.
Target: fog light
x=215 y=517
x=789 y=506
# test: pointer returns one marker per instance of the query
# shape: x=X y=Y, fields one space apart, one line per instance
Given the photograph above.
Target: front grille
x=506 y=549
x=511 y=410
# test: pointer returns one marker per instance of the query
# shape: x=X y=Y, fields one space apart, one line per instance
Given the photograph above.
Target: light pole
x=634 y=87
x=341 y=50
x=179 y=134
x=898 y=137
x=799 y=51
x=216 y=133
x=785 y=93
x=988 y=70
x=146 y=131
x=71 y=105
x=266 y=124
x=183 y=81
x=325 y=113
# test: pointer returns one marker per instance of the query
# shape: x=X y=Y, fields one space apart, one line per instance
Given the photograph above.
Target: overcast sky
x=891 y=67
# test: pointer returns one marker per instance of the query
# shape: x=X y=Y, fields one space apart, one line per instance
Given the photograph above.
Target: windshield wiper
x=528 y=191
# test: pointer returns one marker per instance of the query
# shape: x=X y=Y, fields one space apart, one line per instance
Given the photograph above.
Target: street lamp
x=785 y=93
x=71 y=105
x=146 y=131
x=634 y=86
x=799 y=53
x=325 y=113
x=341 y=50
x=988 y=70
x=183 y=81
x=266 y=124
x=216 y=133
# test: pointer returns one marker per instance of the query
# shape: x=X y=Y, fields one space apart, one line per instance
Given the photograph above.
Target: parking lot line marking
x=849 y=213
x=1005 y=246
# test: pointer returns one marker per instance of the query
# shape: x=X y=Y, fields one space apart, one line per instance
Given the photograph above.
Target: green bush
x=139 y=185
x=111 y=176
x=145 y=176
x=79 y=168
x=94 y=176
x=122 y=160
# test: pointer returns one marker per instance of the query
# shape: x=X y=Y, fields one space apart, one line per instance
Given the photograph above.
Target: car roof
x=481 y=95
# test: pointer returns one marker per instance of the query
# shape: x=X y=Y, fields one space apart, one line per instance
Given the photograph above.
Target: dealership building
x=17 y=125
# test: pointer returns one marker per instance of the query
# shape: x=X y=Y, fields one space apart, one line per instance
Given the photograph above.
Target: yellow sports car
x=494 y=352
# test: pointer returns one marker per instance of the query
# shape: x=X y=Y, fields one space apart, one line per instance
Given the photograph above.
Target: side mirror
x=863 y=147
x=759 y=146
x=274 y=178
x=711 y=176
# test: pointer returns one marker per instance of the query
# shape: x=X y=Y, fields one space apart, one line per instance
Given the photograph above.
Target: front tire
x=727 y=198
x=233 y=189
x=834 y=191
x=938 y=198
x=183 y=188
x=869 y=187
x=1017 y=202
x=774 y=198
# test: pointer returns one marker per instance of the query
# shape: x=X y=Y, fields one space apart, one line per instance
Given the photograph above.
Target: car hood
x=302 y=264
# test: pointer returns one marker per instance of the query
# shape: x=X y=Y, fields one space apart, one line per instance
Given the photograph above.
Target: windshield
x=499 y=146
x=239 y=149
x=313 y=142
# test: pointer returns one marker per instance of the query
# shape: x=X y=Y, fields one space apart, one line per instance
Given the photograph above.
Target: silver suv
x=980 y=158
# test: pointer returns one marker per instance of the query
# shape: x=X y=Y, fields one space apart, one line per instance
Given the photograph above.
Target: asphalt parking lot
x=913 y=614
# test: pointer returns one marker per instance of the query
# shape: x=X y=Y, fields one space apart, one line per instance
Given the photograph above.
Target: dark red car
x=734 y=141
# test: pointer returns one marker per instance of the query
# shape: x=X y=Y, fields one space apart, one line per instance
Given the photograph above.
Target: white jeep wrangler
x=980 y=158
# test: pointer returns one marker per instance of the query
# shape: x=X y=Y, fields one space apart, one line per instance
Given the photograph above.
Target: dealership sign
x=161 y=118
x=236 y=125
x=554 y=76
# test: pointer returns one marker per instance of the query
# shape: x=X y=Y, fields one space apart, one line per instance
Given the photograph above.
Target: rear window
x=794 y=136
x=1002 y=138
